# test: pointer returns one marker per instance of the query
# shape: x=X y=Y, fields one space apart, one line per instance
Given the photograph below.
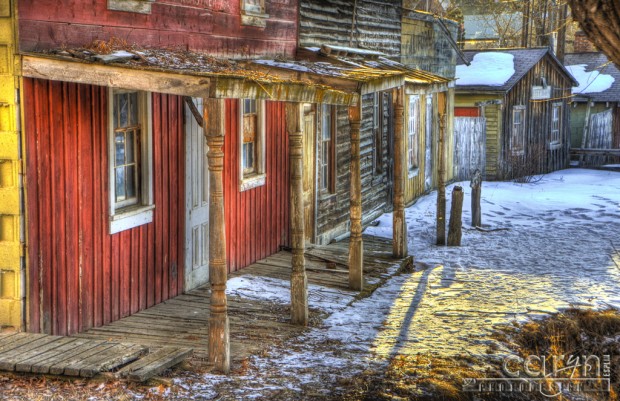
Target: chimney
x=582 y=43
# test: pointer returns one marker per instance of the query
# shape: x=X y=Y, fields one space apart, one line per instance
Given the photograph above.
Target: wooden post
x=299 y=281
x=399 y=243
x=456 y=211
x=441 y=172
x=356 y=246
x=476 y=190
x=219 y=342
x=586 y=130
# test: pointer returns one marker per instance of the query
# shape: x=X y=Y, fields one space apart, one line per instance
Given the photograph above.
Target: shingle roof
x=594 y=61
x=524 y=60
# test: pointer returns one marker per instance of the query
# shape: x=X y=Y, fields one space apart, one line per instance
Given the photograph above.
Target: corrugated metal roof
x=597 y=61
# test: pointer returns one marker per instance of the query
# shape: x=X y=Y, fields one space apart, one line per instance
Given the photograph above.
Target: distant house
x=595 y=112
x=521 y=98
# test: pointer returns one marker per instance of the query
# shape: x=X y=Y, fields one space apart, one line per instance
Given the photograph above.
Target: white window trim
x=125 y=218
x=413 y=171
x=521 y=151
x=556 y=143
x=260 y=177
x=253 y=17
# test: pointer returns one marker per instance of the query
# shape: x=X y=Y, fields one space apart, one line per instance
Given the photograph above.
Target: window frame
x=555 y=137
x=514 y=135
x=327 y=185
x=125 y=215
x=253 y=16
x=377 y=132
x=256 y=178
x=413 y=134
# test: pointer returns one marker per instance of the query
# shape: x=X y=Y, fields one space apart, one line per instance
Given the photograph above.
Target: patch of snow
x=590 y=82
x=486 y=68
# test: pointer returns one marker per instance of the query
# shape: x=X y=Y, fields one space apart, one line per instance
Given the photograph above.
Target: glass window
x=326 y=149
x=250 y=126
x=517 y=142
x=413 y=128
x=556 y=122
x=127 y=133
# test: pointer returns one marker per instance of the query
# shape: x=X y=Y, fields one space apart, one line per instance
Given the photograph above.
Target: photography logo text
x=549 y=375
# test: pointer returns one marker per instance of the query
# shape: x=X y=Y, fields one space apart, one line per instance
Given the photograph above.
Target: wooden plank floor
x=254 y=324
x=56 y=355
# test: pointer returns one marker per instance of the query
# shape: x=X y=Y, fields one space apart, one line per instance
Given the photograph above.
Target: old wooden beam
x=456 y=213
x=441 y=172
x=476 y=191
x=115 y=76
x=399 y=240
x=219 y=336
x=299 y=281
x=356 y=246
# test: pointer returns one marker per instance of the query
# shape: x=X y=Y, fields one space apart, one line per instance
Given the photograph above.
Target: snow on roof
x=590 y=82
x=489 y=68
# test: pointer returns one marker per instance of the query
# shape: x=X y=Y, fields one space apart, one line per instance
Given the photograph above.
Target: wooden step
x=154 y=363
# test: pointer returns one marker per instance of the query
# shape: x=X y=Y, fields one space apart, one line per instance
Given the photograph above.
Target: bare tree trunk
x=456 y=213
x=600 y=20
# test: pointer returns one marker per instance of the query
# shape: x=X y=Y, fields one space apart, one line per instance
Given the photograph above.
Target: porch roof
x=332 y=75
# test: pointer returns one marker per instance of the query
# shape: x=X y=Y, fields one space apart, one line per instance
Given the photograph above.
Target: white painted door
x=196 y=202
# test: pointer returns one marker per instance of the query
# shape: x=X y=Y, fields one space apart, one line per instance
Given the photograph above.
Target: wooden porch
x=179 y=325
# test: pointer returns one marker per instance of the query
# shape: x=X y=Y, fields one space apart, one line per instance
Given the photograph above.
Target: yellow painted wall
x=10 y=210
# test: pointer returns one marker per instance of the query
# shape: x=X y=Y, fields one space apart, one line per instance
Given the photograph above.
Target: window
x=377 y=126
x=131 y=198
x=517 y=139
x=133 y=6
x=556 y=125
x=251 y=150
x=327 y=153
x=253 y=13
x=413 y=129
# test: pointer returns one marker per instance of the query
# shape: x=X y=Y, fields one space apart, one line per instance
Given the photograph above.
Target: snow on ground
x=553 y=247
x=590 y=82
x=488 y=68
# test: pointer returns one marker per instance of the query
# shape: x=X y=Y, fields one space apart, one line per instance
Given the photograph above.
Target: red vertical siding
x=79 y=275
x=256 y=219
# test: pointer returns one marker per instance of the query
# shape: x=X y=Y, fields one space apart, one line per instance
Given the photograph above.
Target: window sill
x=326 y=196
x=517 y=152
x=254 y=19
x=252 y=182
x=413 y=172
x=131 y=217
x=555 y=145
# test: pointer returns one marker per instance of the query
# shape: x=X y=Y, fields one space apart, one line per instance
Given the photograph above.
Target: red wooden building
x=160 y=157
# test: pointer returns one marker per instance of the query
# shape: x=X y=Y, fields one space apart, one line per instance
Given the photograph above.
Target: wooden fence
x=469 y=146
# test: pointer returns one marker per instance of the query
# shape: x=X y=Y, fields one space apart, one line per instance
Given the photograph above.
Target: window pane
x=248 y=156
x=119 y=143
x=129 y=147
x=123 y=106
x=120 y=184
x=131 y=181
x=133 y=106
x=326 y=127
x=324 y=176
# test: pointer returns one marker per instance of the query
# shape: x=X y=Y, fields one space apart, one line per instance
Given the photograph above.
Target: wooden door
x=196 y=202
x=309 y=176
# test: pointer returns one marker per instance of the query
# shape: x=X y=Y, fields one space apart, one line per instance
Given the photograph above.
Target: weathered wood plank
x=58 y=348
x=32 y=348
x=155 y=363
x=58 y=366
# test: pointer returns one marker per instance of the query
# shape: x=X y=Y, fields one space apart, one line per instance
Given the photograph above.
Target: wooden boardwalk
x=56 y=355
x=182 y=322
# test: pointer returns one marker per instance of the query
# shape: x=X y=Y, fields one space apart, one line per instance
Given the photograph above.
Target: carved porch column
x=299 y=283
x=219 y=341
x=356 y=246
x=441 y=173
x=399 y=244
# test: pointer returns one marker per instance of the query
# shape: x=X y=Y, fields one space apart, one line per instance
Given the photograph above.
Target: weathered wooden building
x=420 y=42
x=595 y=111
x=524 y=96
x=163 y=145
